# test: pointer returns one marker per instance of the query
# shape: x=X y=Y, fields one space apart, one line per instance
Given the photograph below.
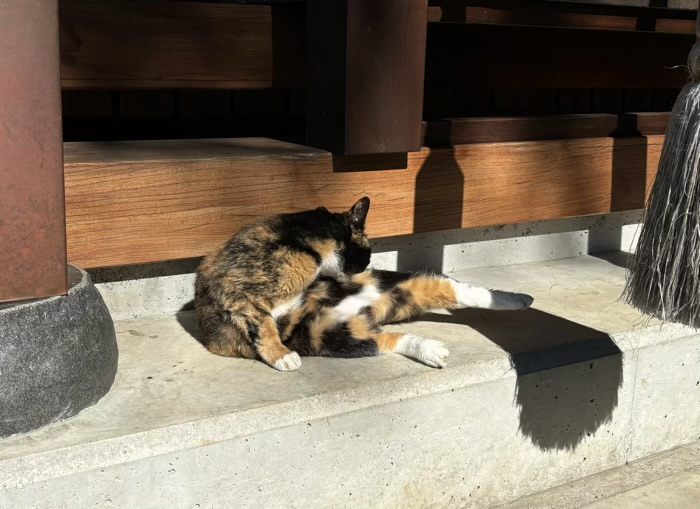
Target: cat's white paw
x=428 y=351
x=434 y=353
x=289 y=362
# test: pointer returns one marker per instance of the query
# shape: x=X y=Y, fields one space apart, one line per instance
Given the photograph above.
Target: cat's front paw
x=290 y=362
x=434 y=353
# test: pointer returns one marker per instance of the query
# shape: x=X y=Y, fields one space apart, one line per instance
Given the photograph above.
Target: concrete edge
x=612 y=482
x=18 y=471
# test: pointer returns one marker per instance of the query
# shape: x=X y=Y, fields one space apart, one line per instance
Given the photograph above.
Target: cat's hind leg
x=421 y=293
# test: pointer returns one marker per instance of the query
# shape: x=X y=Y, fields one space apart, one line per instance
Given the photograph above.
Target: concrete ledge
x=57 y=356
x=530 y=400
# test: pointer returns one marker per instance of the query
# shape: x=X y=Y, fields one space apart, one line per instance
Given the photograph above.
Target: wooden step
x=148 y=201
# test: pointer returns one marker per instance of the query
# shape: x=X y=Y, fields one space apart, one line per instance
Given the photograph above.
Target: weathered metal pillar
x=32 y=206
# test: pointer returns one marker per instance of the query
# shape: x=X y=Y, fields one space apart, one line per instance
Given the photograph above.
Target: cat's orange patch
x=300 y=271
x=386 y=341
x=365 y=279
x=324 y=248
x=270 y=347
x=359 y=328
x=429 y=292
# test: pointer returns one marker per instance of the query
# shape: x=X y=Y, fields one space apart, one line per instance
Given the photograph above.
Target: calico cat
x=296 y=284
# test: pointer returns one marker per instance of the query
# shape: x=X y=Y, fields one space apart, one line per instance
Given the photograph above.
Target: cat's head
x=356 y=251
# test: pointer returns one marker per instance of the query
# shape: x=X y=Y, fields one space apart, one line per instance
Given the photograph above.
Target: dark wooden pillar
x=32 y=208
x=365 y=67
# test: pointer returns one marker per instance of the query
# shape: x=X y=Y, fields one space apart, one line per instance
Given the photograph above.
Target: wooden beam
x=32 y=224
x=458 y=131
x=562 y=14
x=506 y=57
x=115 y=44
x=366 y=62
x=646 y=123
x=670 y=4
x=139 y=202
x=165 y=44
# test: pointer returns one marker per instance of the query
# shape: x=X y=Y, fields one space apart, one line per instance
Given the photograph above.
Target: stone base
x=57 y=356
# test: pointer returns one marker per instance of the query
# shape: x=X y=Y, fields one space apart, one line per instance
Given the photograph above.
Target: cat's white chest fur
x=286 y=307
x=331 y=266
x=352 y=305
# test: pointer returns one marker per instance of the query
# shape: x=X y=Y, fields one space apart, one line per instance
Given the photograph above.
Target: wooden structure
x=525 y=110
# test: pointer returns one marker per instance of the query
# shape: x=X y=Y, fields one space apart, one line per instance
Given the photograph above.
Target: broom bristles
x=664 y=274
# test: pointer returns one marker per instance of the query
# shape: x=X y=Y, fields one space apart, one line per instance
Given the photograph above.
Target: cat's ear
x=358 y=212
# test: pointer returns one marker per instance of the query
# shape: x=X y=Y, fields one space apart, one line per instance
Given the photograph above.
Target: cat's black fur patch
x=338 y=341
x=388 y=279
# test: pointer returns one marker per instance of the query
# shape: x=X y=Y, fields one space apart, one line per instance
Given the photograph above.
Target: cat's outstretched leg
x=271 y=350
x=468 y=296
x=431 y=352
x=414 y=295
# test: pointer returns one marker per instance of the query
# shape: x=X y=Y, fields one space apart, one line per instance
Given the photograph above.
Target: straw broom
x=663 y=277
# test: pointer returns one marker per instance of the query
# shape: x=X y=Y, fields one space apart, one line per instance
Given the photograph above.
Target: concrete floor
x=529 y=400
x=669 y=480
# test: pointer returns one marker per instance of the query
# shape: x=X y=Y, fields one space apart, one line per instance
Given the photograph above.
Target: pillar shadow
x=629 y=166
x=559 y=408
x=438 y=202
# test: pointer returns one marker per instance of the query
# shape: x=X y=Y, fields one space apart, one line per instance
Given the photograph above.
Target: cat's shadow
x=568 y=374
x=187 y=319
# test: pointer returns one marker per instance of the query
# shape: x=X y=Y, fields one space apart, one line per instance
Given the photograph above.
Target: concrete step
x=668 y=480
x=530 y=400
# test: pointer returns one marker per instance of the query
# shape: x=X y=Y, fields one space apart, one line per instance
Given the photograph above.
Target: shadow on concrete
x=187 y=318
x=619 y=258
x=558 y=407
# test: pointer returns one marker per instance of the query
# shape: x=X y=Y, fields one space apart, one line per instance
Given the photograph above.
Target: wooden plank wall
x=160 y=43
x=151 y=201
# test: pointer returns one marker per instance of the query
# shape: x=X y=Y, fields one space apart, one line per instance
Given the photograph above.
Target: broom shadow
x=559 y=408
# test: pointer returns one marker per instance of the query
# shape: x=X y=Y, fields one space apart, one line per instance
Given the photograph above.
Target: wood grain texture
x=159 y=43
x=459 y=131
x=138 y=202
